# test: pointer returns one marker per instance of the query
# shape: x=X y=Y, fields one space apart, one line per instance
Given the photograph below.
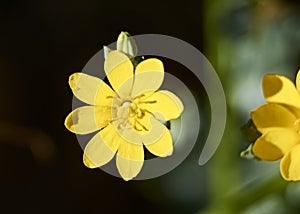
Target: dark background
x=41 y=44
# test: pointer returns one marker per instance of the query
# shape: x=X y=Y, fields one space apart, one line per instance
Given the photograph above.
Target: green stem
x=223 y=169
x=243 y=199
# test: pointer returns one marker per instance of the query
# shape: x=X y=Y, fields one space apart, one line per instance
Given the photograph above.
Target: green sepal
x=250 y=132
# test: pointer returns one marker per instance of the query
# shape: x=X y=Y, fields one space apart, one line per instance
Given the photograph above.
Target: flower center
x=128 y=113
x=131 y=106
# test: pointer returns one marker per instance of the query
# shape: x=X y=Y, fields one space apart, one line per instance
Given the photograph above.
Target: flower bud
x=106 y=51
x=126 y=44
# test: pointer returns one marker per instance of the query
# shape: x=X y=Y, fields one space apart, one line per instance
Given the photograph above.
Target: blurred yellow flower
x=279 y=123
x=128 y=117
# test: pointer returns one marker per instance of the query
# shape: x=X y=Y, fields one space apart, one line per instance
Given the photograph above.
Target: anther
x=149 y=102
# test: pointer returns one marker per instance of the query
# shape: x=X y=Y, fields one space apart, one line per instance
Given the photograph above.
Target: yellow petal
x=127 y=168
x=156 y=130
x=149 y=75
x=145 y=130
x=90 y=89
x=127 y=133
x=110 y=137
x=279 y=89
x=275 y=143
x=130 y=151
x=87 y=119
x=162 y=147
x=119 y=71
x=166 y=105
x=298 y=81
x=103 y=115
x=290 y=165
x=101 y=148
x=130 y=159
x=272 y=115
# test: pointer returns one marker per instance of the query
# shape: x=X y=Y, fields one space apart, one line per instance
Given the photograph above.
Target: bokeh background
x=43 y=42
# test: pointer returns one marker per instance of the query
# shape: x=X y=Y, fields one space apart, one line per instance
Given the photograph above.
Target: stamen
x=142 y=126
x=139 y=96
x=149 y=102
x=140 y=114
x=124 y=124
x=115 y=119
x=114 y=97
x=135 y=127
x=149 y=112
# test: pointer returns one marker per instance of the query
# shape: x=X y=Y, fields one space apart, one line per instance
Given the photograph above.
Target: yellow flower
x=128 y=117
x=279 y=123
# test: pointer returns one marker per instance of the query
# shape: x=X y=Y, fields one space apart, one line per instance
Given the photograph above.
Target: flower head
x=279 y=123
x=128 y=116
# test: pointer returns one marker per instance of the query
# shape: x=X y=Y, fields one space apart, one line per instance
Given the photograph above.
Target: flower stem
x=239 y=201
